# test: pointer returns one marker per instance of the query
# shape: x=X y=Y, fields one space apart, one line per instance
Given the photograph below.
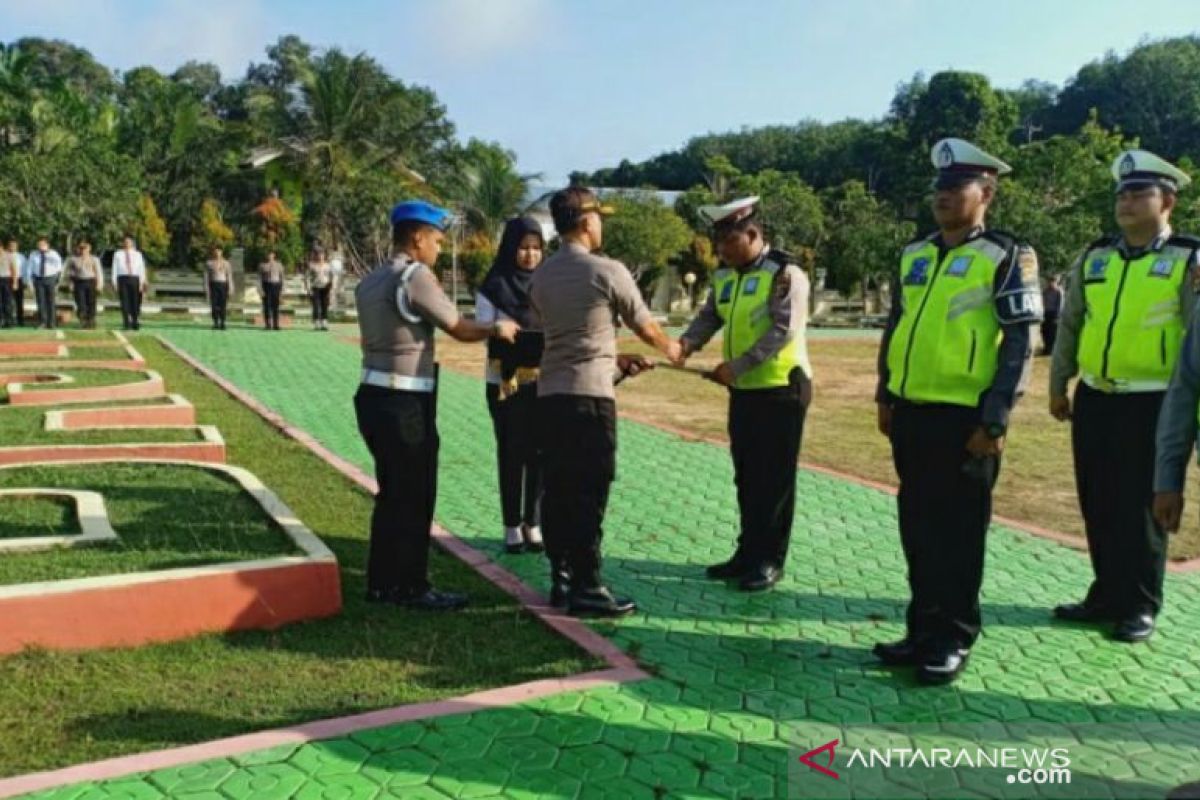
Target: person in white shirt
x=129 y=280
x=23 y=280
x=45 y=267
x=11 y=264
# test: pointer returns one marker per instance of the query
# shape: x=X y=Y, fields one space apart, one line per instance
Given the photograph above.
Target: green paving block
x=620 y=789
x=468 y=778
x=665 y=771
x=539 y=784
x=340 y=787
x=415 y=793
x=572 y=731
x=456 y=743
x=334 y=757
x=203 y=777
x=677 y=718
x=525 y=752
x=400 y=768
x=391 y=737
x=632 y=740
x=705 y=750
x=614 y=709
x=267 y=782
x=592 y=764
x=274 y=755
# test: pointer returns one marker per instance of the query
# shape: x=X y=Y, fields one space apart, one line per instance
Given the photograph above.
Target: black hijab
x=506 y=285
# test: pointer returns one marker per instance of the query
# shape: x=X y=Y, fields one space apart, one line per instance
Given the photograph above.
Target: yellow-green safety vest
x=743 y=303
x=945 y=346
x=1133 y=324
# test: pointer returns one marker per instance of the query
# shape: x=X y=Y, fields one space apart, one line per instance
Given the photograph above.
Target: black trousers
x=1049 y=334
x=85 y=299
x=271 y=293
x=7 y=301
x=129 y=290
x=218 y=301
x=19 y=302
x=45 y=291
x=765 y=430
x=945 y=507
x=515 y=423
x=578 y=438
x=400 y=430
x=1112 y=436
x=320 y=303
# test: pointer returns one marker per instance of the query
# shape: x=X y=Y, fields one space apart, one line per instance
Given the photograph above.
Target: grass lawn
x=167 y=517
x=1037 y=481
x=64 y=708
x=36 y=516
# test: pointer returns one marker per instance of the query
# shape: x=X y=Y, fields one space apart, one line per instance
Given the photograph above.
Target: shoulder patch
x=781 y=257
x=1184 y=240
x=1103 y=242
x=1002 y=238
x=1027 y=261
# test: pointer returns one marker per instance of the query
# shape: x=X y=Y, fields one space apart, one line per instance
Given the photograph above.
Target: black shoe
x=560 y=595
x=429 y=600
x=1081 y=612
x=942 y=665
x=760 y=578
x=733 y=568
x=1135 y=628
x=905 y=653
x=598 y=602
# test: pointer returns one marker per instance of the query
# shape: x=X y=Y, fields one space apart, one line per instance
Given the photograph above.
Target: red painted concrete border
x=322 y=729
x=150 y=388
x=573 y=629
x=207 y=452
x=162 y=608
x=126 y=364
x=48 y=347
x=164 y=416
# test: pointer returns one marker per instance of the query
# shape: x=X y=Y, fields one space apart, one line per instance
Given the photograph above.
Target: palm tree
x=16 y=94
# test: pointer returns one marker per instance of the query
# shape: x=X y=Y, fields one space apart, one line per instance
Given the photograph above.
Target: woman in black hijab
x=512 y=373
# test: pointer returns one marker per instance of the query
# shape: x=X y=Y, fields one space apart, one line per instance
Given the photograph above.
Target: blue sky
x=568 y=84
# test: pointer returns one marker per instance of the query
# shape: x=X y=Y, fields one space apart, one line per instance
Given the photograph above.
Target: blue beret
x=421 y=211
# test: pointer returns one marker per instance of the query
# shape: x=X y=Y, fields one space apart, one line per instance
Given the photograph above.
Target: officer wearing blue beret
x=400 y=303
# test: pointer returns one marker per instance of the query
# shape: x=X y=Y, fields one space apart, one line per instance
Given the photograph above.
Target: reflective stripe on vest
x=1133 y=328
x=945 y=347
x=743 y=303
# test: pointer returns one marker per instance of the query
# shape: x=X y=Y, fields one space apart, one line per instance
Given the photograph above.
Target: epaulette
x=1184 y=240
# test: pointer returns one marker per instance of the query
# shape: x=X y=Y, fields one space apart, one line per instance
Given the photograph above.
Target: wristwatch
x=995 y=430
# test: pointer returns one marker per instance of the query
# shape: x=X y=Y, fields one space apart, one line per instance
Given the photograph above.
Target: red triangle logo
x=828 y=747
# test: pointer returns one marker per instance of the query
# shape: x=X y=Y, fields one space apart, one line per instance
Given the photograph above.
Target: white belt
x=1120 y=386
x=390 y=380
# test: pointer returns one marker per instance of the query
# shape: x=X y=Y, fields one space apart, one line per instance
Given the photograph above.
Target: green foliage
x=211 y=231
x=150 y=231
x=644 y=234
x=863 y=240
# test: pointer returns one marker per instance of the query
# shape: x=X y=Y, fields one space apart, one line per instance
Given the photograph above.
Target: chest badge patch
x=918 y=273
x=959 y=267
x=726 y=293
x=751 y=286
x=1162 y=268
x=1097 y=269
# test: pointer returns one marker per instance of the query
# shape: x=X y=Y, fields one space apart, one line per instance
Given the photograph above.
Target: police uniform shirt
x=1065 y=362
x=84 y=268
x=320 y=274
x=44 y=265
x=218 y=271
x=10 y=266
x=391 y=342
x=1016 y=298
x=577 y=296
x=271 y=272
x=788 y=308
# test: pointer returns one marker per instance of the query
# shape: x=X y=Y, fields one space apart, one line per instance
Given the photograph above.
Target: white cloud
x=475 y=31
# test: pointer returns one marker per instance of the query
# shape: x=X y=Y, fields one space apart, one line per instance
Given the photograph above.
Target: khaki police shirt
x=83 y=268
x=578 y=297
x=390 y=343
x=271 y=272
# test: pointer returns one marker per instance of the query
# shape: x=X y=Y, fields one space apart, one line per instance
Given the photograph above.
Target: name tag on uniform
x=751 y=286
x=1162 y=268
x=918 y=274
x=959 y=266
x=1096 y=269
x=726 y=293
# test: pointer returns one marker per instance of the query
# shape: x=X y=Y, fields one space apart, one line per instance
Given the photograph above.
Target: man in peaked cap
x=760 y=297
x=399 y=305
x=954 y=359
x=1129 y=302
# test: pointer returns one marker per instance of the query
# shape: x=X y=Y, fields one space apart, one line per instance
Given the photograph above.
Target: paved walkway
x=739 y=679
